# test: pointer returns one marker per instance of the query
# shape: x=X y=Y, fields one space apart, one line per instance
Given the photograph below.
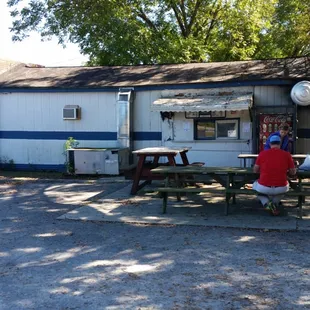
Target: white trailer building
x=211 y=107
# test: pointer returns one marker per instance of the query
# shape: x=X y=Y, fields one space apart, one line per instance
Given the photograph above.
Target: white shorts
x=272 y=191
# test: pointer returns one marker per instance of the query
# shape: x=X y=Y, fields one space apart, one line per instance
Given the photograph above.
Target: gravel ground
x=46 y=263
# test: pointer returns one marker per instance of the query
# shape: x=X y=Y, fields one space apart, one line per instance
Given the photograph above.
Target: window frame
x=215 y=121
x=196 y=121
x=230 y=120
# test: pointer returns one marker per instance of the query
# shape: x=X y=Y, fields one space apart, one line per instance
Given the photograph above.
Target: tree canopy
x=128 y=32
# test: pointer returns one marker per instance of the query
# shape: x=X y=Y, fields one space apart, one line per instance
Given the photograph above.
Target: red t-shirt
x=273 y=165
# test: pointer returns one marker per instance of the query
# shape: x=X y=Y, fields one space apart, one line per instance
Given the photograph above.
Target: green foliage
x=129 y=32
x=290 y=30
x=7 y=164
x=71 y=143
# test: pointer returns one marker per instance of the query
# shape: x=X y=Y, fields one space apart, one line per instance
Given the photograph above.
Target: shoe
x=271 y=207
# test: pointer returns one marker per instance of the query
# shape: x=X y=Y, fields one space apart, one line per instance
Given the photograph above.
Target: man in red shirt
x=273 y=165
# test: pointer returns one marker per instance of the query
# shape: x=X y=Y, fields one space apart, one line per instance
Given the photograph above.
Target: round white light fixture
x=300 y=93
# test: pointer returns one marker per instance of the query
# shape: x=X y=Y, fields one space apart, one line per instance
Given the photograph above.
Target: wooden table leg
x=172 y=162
x=233 y=185
x=227 y=195
x=154 y=164
x=300 y=200
x=184 y=158
x=136 y=180
x=156 y=159
x=165 y=200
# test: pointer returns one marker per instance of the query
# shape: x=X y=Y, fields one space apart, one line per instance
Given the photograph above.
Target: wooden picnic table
x=254 y=156
x=217 y=172
x=155 y=153
x=226 y=176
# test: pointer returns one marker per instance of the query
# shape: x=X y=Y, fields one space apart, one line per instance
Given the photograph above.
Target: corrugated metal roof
x=23 y=76
x=204 y=104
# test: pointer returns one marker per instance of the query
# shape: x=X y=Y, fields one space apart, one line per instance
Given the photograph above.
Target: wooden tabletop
x=161 y=150
x=299 y=156
x=200 y=170
x=215 y=170
x=247 y=155
x=295 y=156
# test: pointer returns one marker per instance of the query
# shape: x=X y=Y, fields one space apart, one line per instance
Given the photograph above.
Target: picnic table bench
x=226 y=176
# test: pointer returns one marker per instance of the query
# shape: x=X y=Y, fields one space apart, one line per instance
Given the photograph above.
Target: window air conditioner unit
x=71 y=112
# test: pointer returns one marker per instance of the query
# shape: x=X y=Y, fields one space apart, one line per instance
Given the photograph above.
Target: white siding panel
x=156 y=121
x=271 y=95
x=144 y=119
x=32 y=151
x=40 y=151
x=215 y=159
x=141 y=121
x=43 y=111
x=303 y=115
x=303 y=146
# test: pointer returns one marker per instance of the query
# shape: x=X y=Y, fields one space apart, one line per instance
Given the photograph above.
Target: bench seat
x=229 y=193
x=232 y=192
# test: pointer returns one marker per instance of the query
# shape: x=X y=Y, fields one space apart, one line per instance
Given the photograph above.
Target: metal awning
x=204 y=103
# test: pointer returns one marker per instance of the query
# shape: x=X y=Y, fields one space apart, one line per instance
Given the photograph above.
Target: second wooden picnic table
x=254 y=156
x=228 y=178
x=219 y=174
x=155 y=153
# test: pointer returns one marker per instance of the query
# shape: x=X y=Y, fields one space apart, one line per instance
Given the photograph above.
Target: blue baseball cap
x=275 y=139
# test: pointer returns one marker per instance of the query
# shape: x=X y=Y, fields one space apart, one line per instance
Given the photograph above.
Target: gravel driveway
x=46 y=263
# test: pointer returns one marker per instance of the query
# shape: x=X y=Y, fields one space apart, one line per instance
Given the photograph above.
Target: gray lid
x=300 y=93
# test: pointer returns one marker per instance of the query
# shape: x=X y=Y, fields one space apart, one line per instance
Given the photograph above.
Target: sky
x=33 y=50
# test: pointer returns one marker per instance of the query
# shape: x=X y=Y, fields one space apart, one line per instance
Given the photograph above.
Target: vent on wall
x=71 y=112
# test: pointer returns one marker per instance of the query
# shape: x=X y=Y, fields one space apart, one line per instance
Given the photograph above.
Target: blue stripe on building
x=77 y=135
x=146 y=135
x=33 y=167
x=303 y=133
x=98 y=135
x=58 y=135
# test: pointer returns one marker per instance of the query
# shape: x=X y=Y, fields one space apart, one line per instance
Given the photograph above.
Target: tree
x=126 y=32
x=289 y=34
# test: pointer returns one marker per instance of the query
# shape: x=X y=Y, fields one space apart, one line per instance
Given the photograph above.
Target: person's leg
x=278 y=192
x=262 y=189
x=266 y=201
x=263 y=199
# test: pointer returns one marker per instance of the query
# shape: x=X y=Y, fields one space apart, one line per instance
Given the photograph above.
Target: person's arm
x=292 y=172
x=267 y=144
x=256 y=168
x=290 y=147
x=286 y=144
x=291 y=166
